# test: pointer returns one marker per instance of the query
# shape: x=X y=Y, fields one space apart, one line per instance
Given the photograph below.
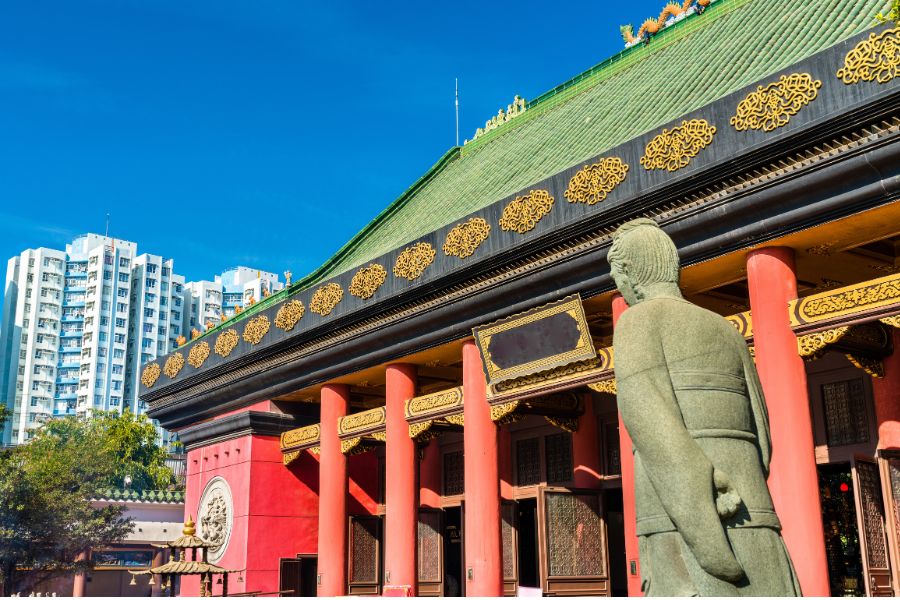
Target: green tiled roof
x=143 y=496
x=684 y=67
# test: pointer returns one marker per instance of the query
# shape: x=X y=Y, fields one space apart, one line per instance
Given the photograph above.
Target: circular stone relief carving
x=215 y=516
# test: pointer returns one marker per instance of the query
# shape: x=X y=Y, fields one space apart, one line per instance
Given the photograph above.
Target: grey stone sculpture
x=691 y=400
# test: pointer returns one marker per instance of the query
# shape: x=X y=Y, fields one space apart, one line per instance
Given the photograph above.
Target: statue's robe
x=691 y=400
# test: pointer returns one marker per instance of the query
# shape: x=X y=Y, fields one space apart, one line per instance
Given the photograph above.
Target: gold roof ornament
x=518 y=106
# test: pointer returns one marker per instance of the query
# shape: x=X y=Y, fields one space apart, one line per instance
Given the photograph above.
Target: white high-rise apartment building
x=156 y=317
x=72 y=321
x=207 y=301
x=203 y=304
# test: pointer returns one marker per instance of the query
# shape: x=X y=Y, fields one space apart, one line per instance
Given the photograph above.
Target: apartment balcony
x=71 y=334
x=66 y=396
x=73 y=318
x=72 y=350
x=74 y=303
x=66 y=381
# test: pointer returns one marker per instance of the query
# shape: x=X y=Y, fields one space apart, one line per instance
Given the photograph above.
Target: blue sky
x=262 y=133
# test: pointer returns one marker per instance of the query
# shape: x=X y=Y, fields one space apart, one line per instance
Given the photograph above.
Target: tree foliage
x=46 y=485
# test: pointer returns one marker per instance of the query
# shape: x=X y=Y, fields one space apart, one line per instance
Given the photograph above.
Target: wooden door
x=572 y=538
x=890 y=489
x=364 y=564
x=510 y=545
x=430 y=552
x=870 y=516
x=289 y=577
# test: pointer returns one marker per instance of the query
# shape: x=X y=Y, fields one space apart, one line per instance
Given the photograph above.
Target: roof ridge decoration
x=671 y=14
x=518 y=106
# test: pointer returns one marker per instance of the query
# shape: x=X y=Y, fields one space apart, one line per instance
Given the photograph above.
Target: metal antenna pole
x=107 y=225
x=457 y=111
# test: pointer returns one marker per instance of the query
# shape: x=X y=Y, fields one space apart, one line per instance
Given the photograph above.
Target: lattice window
x=454 y=474
x=429 y=546
x=873 y=514
x=845 y=412
x=575 y=535
x=507 y=530
x=364 y=550
x=613 y=462
x=894 y=474
x=528 y=461
x=558 y=452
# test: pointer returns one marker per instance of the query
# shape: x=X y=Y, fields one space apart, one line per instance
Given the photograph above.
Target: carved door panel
x=430 y=552
x=572 y=537
x=364 y=564
x=510 y=543
x=871 y=517
x=890 y=488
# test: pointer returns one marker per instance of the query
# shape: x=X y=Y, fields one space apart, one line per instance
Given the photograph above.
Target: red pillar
x=333 y=524
x=484 y=562
x=626 y=459
x=887 y=399
x=430 y=476
x=400 y=506
x=793 y=480
x=504 y=456
x=585 y=448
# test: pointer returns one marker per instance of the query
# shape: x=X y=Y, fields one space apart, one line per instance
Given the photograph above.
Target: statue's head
x=643 y=261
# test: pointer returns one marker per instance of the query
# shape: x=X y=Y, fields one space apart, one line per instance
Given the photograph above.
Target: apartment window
x=148 y=327
x=124 y=262
x=151 y=268
x=107 y=259
x=162 y=330
x=103 y=336
x=150 y=283
x=105 y=306
x=163 y=301
x=33 y=399
x=120 y=338
x=104 y=321
x=114 y=400
x=98 y=399
x=34 y=388
x=123 y=277
x=122 y=292
x=117 y=369
x=120 y=322
x=118 y=353
x=107 y=275
x=28 y=293
x=149 y=298
x=164 y=287
x=176 y=316
x=161 y=347
x=121 y=307
x=107 y=290
x=30 y=262
x=116 y=385
x=39 y=338
x=176 y=288
x=149 y=312
x=146 y=344
x=176 y=329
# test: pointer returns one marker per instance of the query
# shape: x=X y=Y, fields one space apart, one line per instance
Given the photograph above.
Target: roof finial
x=189 y=527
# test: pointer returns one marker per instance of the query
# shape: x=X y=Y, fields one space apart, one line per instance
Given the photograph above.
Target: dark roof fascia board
x=230 y=427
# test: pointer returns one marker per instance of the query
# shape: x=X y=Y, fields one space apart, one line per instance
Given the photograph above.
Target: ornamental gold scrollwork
x=413 y=261
x=150 y=374
x=607 y=386
x=419 y=429
x=367 y=280
x=569 y=424
x=381 y=436
x=289 y=457
x=772 y=106
x=173 y=365
x=226 y=342
x=815 y=307
x=892 y=321
x=464 y=239
x=872 y=366
x=556 y=374
x=504 y=413
x=301 y=435
x=593 y=183
x=326 y=298
x=811 y=345
x=459 y=420
x=289 y=315
x=523 y=213
x=316 y=450
x=673 y=149
x=255 y=329
x=361 y=420
x=434 y=402
x=198 y=354
x=874 y=59
x=351 y=446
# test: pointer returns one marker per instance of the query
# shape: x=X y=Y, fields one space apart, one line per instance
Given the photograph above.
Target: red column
x=484 y=562
x=887 y=399
x=626 y=459
x=504 y=440
x=586 y=449
x=333 y=524
x=400 y=506
x=430 y=476
x=793 y=480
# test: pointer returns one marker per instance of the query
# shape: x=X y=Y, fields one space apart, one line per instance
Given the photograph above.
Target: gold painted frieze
x=173 y=365
x=433 y=404
x=367 y=280
x=593 y=183
x=869 y=297
x=772 y=106
x=366 y=421
x=463 y=240
x=326 y=298
x=523 y=213
x=150 y=374
x=413 y=261
x=300 y=437
x=674 y=148
x=289 y=315
x=876 y=58
x=226 y=342
x=198 y=354
x=256 y=329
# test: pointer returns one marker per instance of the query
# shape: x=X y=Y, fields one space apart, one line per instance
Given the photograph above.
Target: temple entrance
x=453 y=552
x=845 y=569
x=615 y=536
x=297 y=576
x=527 y=547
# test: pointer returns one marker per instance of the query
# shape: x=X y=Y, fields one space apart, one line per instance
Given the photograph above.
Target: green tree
x=46 y=485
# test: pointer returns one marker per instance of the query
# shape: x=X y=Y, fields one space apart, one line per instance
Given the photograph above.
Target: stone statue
x=692 y=403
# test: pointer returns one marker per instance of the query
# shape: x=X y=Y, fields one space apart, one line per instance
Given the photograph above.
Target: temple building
x=433 y=411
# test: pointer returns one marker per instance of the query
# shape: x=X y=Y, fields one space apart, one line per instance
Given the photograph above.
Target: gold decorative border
x=434 y=403
x=226 y=342
x=361 y=421
x=607 y=386
x=523 y=213
x=874 y=59
x=593 y=183
x=173 y=365
x=326 y=298
x=743 y=322
x=150 y=374
x=301 y=435
x=772 y=106
x=674 y=148
x=198 y=354
x=256 y=329
x=367 y=280
x=813 y=345
x=289 y=315
x=858 y=298
x=413 y=261
x=463 y=240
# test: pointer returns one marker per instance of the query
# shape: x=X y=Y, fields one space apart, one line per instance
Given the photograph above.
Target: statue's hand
x=727 y=499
